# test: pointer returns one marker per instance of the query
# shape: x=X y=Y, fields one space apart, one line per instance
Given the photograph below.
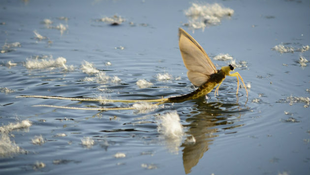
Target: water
x=140 y=59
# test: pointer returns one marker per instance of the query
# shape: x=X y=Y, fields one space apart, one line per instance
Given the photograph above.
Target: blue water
x=234 y=135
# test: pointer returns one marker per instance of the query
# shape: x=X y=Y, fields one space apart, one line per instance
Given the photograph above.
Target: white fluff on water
x=248 y=85
x=7 y=147
x=289 y=49
x=116 y=79
x=24 y=124
x=38 y=36
x=205 y=9
x=38 y=140
x=88 y=68
x=240 y=64
x=120 y=155
x=8 y=47
x=47 y=21
x=306 y=100
x=223 y=57
x=87 y=142
x=144 y=107
x=6 y=90
x=283 y=49
x=201 y=14
x=101 y=77
x=10 y=63
x=61 y=135
x=302 y=61
x=171 y=129
x=164 y=77
x=144 y=84
x=112 y=20
x=46 y=63
x=38 y=165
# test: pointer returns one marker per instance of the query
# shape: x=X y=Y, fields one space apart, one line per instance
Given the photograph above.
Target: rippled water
x=268 y=133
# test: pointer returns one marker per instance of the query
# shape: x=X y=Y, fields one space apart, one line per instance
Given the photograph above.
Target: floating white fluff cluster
x=108 y=63
x=201 y=14
x=144 y=107
x=61 y=27
x=203 y=9
x=190 y=140
x=256 y=100
x=303 y=48
x=38 y=165
x=47 y=21
x=120 y=155
x=88 y=68
x=102 y=99
x=89 y=79
x=8 y=147
x=120 y=48
x=8 y=47
x=302 y=61
x=144 y=84
x=87 y=142
x=289 y=49
x=115 y=79
x=38 y=140
x=223 y=57
x=6 y=90
x=25 y=124
x=38 y=36
x=101 y=77
x=164 y=77
x=293 y=100
x=47 y=63
x=195 y=24
x=9 y=64
x=170 y=127
x=240 y=64
x=61 y=135
x=113 y=20
x=148 y=166
x=248 y=85
x=283 y=49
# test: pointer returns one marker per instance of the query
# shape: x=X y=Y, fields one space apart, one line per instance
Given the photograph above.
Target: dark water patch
x=64 y=161
x=119 y=130
x=291 y=120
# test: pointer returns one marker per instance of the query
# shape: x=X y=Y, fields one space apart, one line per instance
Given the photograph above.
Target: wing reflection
x=202 y=127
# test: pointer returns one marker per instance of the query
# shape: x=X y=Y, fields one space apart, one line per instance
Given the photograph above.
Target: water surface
x=264 y=134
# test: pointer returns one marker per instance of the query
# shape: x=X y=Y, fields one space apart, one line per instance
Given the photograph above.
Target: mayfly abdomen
x=201 y=91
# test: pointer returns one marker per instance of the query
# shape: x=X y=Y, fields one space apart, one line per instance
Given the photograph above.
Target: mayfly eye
x=231 y=67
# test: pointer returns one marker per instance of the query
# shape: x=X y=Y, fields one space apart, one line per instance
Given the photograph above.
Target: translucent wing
x=195 y=59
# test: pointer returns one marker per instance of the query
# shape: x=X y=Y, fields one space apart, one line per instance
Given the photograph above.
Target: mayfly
x=201 y=72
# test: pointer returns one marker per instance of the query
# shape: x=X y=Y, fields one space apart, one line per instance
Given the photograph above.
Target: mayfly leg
x=216 y=92
x=237 y=75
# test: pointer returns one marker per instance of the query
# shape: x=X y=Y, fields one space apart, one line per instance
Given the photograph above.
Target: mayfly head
x=231 y=67
x=227 y=69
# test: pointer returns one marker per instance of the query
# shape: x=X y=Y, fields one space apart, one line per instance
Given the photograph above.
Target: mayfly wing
x=195 y=59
